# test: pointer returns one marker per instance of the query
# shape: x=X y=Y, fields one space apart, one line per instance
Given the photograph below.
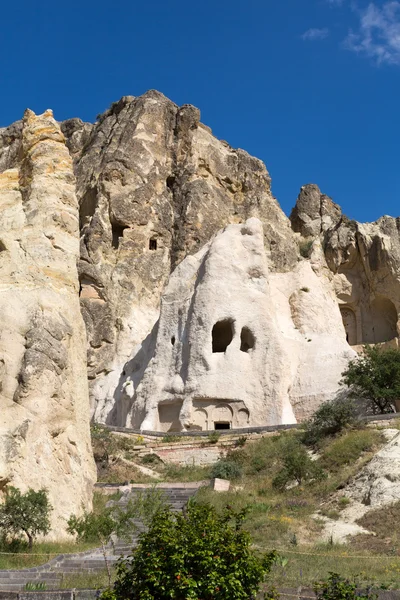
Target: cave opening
x=222 y=335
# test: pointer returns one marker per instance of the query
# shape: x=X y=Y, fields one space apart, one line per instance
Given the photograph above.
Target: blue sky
x=311 y=87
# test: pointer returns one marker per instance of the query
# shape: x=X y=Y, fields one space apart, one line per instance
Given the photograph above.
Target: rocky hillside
x=148 y=190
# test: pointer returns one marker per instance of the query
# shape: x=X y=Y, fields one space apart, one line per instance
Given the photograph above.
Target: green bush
x=213 y=437
x=226 y=469
x=330 y=418
x=340 y=588
x=297 y=466
x=197 y=554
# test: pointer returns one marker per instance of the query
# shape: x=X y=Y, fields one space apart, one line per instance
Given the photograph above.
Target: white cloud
x=378 y=35
x=315 y=34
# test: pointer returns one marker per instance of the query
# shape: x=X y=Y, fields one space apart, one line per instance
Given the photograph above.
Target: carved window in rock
x=153 y=244
x=247 y=340
x=117 y=234
x=222 y=335
x=350 y=325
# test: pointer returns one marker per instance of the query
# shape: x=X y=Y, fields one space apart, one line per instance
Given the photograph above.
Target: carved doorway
x=350 y=325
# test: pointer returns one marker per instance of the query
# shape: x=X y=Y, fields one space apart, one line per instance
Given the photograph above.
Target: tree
x=27 y=513
x=329 y=419
x=375 y=377
x=116 y=520
x=297 y=467
x=195 y=554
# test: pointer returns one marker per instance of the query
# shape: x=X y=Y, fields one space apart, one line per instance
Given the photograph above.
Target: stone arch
x=350 y=324
x=247 y=340
x=384 y=319
x=243 y=417
x=200 y=419
x=222 y=335
x=222 y=413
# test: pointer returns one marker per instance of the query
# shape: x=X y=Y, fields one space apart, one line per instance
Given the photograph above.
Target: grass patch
x=385 y=524
x=41 y=553
x=82 y=581
x=349 y=447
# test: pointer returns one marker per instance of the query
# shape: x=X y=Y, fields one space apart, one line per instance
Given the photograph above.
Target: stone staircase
x=92 y=561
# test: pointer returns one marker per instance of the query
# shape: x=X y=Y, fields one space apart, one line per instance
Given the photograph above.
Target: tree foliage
x=297 y=467
x=25 y=513
x=114 y=519
x=336 y=587
x=330 y=418
x=375 y=377
x=190 y=555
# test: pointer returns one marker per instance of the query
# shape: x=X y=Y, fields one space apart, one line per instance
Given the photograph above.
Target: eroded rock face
x=364 y=260
x=154 y=185
x=44 y=424
x=236 y=344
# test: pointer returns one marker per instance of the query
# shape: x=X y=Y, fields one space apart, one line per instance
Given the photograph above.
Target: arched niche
x=384 y=319
x=222 y=414
x=243 y=417
x=350 y=324
x=200 y=420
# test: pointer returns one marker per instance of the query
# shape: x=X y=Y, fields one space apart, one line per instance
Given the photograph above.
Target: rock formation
x=44 y=426
x=154 y=185
x=162 y=206
x=238 y=346
x=364 y=260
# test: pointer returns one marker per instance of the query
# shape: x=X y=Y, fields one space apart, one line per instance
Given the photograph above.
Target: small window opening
x=170 y=182
x=247 y=340
x=117 y=234
x=173 y=340
x=153 y=244
x=222 y=335
x=222 y=425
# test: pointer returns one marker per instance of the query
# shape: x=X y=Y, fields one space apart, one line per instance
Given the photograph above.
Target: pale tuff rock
x=378 y=483
x=154 y=185
x=44 y=426
x=364 y=260
x=237 y=344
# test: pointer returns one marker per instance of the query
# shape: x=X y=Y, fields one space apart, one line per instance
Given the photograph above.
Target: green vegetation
x=305 y=246
x=297 y=467
x=336 y=587
x=330 y=419
x=213 y=437
x=226 y=469
x=374 y=376
x=199 y=554
x=113 y=519
x=348 y=448
x=25 y=513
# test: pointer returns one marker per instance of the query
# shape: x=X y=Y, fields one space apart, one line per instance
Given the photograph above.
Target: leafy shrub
x=339 y=588
x=349 y=447
x=150 y=459
x=297 y=466
x=213 y=437
x=197 y=554
x=171 y=439
x=375 y=377
x=25 y=513
x=226 y=469
x=241 y=441
x=330 y=418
